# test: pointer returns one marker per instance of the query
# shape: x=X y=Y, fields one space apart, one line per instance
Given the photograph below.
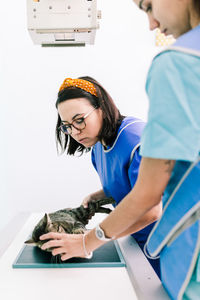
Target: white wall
x=32 y=176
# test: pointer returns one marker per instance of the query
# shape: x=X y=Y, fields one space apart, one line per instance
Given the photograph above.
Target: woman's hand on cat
x=67 y=245
x=88 y=199
x=93 y=198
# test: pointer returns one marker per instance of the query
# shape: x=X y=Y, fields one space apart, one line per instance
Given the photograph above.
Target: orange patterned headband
x=79 y=83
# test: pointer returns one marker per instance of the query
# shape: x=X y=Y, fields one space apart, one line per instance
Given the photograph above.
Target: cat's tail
x=85 y=214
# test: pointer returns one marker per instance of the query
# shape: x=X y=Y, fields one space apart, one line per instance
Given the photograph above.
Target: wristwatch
x=101 y=235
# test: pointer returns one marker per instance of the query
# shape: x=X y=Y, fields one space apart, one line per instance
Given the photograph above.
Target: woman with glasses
x=88 y=117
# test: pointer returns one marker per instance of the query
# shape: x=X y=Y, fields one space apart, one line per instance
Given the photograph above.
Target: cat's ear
x=47 y=220
x=30 y=242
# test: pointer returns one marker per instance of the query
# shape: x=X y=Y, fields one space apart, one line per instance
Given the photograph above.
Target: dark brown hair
x=111 y=116
x=197 y=6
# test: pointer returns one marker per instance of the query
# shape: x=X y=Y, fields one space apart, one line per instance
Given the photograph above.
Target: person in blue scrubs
x=173 y=133
x=114 y=139
x=170 y=148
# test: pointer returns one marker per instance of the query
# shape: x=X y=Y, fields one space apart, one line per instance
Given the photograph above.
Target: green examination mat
x=109 y=255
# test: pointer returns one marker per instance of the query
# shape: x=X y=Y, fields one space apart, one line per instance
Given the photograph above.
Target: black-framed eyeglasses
x=78 y=124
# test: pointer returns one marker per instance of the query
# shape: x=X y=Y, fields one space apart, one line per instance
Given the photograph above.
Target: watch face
x=100 y=233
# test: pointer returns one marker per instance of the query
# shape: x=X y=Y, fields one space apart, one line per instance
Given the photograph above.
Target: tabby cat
x=68 y=220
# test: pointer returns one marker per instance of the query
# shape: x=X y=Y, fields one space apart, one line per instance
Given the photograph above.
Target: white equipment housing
x=62 y=22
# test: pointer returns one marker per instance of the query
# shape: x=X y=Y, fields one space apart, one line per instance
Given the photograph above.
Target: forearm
x=146 y=194
x=150 y=217
x=123 y=219
x=98 y=195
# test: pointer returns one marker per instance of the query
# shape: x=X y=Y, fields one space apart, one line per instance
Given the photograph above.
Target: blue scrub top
x=173 y=127
x=118 y=165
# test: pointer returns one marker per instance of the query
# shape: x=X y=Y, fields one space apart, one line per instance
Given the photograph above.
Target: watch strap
x=100 y=234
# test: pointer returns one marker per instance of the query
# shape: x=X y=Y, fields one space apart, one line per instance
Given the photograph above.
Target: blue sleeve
x=134 y=167
x=173 y=127
x=93 y=159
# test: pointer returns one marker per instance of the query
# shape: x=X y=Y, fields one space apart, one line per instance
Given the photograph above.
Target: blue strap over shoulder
x=182 y=204
x=189 y=40
x=188 y=43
